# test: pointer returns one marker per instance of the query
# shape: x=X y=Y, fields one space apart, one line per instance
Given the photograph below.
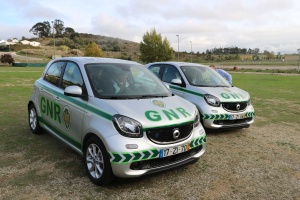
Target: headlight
x=128 y=127
x=249 y=102
x=197 y=119
x=212 y=100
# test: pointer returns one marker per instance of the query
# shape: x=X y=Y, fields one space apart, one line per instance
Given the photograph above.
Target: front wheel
x=97 y=162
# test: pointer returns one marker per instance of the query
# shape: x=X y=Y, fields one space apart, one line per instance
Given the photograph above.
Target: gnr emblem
x=67 y=117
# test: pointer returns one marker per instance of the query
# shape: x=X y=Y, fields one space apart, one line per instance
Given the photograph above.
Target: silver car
x=220 y=104
x=122 y=124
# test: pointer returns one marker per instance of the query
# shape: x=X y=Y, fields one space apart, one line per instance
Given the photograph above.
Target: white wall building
x=25 y=42
x=36 y=44
x=2 y=42
x=15 y=40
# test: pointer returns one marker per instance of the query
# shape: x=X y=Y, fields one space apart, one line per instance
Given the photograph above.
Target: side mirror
x=176 y=82
x=73 y=91
x=167 y=86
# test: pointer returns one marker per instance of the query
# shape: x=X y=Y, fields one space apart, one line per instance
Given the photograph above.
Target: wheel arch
x=88 y=136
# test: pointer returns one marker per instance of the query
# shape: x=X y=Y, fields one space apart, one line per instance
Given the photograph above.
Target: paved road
x=262 y=67
x=283 y=74
x=14 y=55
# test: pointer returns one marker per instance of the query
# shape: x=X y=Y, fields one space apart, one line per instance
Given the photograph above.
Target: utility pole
x=178 y=47
x=53 y=38
x=191 y=50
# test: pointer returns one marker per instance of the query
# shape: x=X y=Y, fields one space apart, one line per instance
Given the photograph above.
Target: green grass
x=273 y=97
x=270 y=96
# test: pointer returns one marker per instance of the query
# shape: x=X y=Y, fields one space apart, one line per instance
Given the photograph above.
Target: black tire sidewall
x=37 y=129
x=107 y=172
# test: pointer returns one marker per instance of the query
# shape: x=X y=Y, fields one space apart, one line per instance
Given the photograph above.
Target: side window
x=54 y=72
x=72 y=76
x=171 y=73
x=155 y=69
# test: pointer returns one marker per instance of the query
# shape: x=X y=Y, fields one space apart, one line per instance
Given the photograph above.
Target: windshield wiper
x=146 y=96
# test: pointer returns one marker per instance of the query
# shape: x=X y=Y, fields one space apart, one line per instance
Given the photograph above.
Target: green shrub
x=64 y=48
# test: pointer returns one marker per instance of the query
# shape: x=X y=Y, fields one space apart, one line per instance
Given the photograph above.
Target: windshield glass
x=204 y=76
x=123 y=81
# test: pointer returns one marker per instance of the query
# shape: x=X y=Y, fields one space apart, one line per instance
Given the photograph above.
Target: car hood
x=155 y=112
x=225 y=94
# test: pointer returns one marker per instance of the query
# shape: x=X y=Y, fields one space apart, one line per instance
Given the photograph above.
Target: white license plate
x=232 y=117
x=174 y=150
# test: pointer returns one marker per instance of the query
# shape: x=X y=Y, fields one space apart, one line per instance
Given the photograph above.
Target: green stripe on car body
x=187 y=91
x=224 y=116
x=77 y=102
x=60 y=133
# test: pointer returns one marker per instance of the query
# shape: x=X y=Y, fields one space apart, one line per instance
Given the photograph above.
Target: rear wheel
x=33 y=120
x=97 y=162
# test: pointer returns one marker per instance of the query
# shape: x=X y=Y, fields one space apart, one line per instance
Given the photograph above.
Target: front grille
x=165 y=135
x=161 y=162
x=232 y=107
x=232 y=122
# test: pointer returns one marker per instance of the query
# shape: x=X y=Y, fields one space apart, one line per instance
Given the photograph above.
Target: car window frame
x=160 y=73
x=61 y=72
x=179 y=71
x=84 y=90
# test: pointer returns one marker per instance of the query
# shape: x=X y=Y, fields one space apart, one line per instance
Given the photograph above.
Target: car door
x=72 y=108
x=47 y=88
x=169 y=73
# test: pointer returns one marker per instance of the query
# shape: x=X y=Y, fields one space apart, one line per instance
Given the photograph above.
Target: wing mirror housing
x=176 y=82
x=73 y=91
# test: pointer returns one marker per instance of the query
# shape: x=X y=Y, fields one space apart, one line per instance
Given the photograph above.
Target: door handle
x=57 y=99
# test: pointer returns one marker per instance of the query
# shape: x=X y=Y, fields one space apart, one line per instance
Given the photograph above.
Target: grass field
x=261 y=162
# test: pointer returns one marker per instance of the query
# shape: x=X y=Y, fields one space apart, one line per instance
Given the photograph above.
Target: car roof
x=85 y=60
x=177 y=64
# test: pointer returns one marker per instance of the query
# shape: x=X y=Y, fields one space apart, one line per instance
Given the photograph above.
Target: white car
x=220 y=104
x=121 y=126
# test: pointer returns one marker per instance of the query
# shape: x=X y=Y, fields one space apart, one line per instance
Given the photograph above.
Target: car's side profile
x=220 y=104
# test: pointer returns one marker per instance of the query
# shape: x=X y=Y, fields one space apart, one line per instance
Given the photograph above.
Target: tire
x=97 y=163
x=33 y=120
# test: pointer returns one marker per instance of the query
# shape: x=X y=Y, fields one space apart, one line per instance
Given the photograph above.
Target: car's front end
x=152 y=138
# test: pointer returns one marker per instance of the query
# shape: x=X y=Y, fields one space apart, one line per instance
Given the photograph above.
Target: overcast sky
x=272 y=25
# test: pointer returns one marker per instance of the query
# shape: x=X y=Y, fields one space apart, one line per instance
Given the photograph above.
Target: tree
x=7 y=58
x=92 y=50
x=269 y=55
x=75 y=34
x=58 y=26
x=69 y=30
x=154 y=49
x=23 y=38
x=41 y=29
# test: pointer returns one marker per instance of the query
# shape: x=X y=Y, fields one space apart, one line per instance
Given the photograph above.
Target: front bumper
x=217 y=117
x=147 y=154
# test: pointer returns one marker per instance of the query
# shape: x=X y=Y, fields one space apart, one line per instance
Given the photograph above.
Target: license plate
x=232 y=117
x=174 y=150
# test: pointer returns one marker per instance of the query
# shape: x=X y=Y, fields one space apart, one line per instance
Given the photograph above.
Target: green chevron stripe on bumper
x=223 y=116
x=127 y=157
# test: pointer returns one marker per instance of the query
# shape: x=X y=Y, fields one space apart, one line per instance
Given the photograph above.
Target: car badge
x=176 y=133
x=226 y=90
x=67 y=117
x=158 y=103
x=238 y=106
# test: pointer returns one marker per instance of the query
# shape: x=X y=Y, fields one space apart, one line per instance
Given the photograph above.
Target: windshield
x=204 y=76
x=123 y=81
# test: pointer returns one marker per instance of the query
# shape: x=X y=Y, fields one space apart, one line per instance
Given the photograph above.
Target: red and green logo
x=67 y=117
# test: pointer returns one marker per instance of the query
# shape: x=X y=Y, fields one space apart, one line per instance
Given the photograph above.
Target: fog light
x=135 y=166
x=131 y=146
